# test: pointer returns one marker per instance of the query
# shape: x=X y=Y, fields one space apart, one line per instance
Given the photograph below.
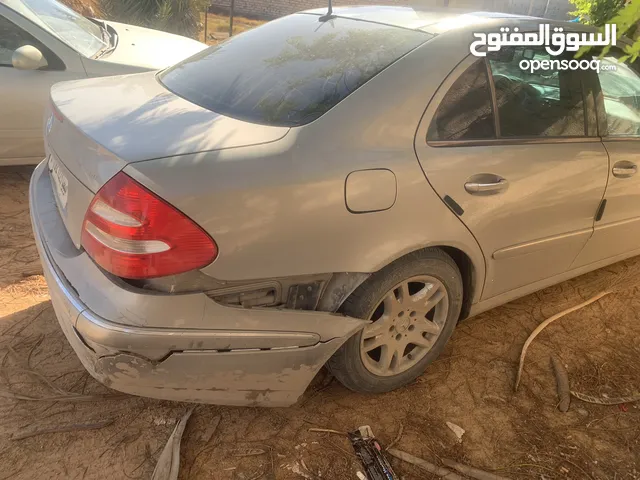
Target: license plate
x=60 y=182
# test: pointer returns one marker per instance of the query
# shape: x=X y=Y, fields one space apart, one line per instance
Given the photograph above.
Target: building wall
x=557 y=9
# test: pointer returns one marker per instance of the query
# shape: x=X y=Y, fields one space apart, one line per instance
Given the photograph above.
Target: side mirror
x=28 y=58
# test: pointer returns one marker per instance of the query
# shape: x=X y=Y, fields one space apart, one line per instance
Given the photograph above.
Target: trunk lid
x=135 y=118
x=106 y=123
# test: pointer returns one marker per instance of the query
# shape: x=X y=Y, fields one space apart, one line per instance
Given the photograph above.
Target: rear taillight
x=132 y=233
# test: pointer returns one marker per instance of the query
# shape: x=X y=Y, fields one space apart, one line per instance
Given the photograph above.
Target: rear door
x=617 y=229
x=25 y=93
x=516 y=156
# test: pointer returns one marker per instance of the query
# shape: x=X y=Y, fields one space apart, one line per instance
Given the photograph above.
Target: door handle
x=624 y=169
x=486 y=184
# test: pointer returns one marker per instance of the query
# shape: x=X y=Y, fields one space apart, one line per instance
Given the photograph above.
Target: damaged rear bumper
x=177 y=347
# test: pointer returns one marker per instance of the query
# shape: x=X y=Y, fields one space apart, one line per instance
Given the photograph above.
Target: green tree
x=179 y=16
x=596 y=12
x=175 y=16
x=626 y=19
x=135 y=12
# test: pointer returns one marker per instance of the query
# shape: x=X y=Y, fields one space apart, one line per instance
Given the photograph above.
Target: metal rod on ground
x=231 y=14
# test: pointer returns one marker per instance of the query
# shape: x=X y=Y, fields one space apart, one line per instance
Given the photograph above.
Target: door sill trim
x=507 y=297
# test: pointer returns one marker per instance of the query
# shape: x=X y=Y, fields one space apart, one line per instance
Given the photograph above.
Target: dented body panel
x=273 y=378
x=177 y=347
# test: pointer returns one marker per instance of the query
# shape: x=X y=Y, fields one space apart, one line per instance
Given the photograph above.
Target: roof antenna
x=329 y=15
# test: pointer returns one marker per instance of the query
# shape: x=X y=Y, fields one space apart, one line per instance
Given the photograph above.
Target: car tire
x=363 y=370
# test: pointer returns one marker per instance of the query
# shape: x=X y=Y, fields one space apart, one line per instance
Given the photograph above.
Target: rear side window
x=465 y=112
x=538 y=104
x=290 y=71
x=545 y=103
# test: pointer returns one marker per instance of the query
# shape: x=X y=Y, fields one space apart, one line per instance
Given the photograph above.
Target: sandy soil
x=218 y=27
x=518 y=435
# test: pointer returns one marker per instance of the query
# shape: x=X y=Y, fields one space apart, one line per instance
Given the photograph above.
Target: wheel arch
x=469 y=277
x=472 y=276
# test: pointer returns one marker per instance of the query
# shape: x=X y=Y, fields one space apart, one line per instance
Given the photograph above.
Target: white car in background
x=43 y=42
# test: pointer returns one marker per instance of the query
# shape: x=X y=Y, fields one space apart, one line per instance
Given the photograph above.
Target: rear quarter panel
x=279 y=209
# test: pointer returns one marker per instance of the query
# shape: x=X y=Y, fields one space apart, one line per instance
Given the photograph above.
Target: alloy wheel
x=407 y=321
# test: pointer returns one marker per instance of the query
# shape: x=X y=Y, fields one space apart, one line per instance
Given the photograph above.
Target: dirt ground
x=517 y=435
x=218 y=27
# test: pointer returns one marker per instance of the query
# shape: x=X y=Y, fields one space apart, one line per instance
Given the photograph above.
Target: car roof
x=437 y=21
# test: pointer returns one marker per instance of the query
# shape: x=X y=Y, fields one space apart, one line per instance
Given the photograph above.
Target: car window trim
x=585 y=105
x=594 y=103
x=499 y=140
x=494 y=99
x=590 y=91
x=629 y=138
x=511 y=141
x=601 y=113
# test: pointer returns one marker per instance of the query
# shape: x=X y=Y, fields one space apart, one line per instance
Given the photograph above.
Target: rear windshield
x=290 y=71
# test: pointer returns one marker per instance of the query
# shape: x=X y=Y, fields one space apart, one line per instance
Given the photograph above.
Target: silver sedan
x=43 y=42
x=322 y=190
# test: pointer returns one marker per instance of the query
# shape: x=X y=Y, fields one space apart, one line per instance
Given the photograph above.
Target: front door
x=617 y=229
x=516 y=156
x=24 y=95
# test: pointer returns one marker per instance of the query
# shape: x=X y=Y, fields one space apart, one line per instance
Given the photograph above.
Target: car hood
x=149 y=49
x=134 y=118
